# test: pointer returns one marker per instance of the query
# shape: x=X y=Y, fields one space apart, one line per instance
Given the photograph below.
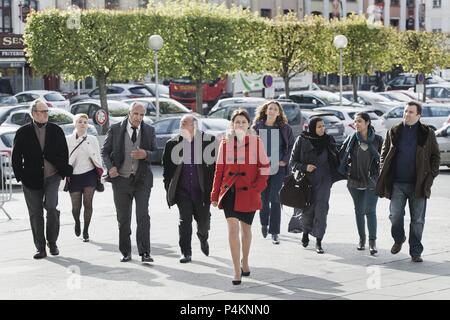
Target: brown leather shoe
x=397 y=247
x=417 y=259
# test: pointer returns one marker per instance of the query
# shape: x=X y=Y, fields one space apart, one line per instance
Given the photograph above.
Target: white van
x=434 y=115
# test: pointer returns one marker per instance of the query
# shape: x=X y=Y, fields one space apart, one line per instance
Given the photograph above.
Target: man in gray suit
x=126 y=153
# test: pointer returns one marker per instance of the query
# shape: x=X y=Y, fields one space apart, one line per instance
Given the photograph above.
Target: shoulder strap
x=77 y=146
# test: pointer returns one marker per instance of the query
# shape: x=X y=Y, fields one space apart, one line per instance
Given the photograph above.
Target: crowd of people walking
x=241 y=173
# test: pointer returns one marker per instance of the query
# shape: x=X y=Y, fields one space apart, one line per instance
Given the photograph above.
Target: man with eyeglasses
x=40 y=159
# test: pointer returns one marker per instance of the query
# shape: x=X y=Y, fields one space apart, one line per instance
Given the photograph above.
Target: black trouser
x=125 y=189
x=188 y=209
x=36 y=201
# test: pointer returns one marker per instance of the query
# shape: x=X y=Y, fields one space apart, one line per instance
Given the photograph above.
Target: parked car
x=116 y=91
x=51 y=98
x=6 y=143
x=118 y=110
x=163 y=91
x=7 y=110
x=167 y=128
x=347 y=116
x=291 y=109
x=376 y=102
x=443 y=139
x=433 y=115
x=316 y=98
x=404 y=81
x=333 y=126
x=237 y=102
x=167 y=107
x=439 y=92
x=58 y=116
x=7 y=100
x=396 y=96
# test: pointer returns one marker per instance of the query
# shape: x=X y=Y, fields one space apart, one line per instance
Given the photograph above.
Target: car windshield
x=330 y=98
x=8 y=139
x=215 y=125
x=59 y=117
x=8 y=100
x=161 y=89
x=54 y=96
x=118 y=110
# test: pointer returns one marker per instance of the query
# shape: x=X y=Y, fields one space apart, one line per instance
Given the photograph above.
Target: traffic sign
x=420 y=78
x=100 y=117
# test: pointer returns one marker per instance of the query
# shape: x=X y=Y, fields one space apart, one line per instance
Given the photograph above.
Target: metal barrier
x=6 y=176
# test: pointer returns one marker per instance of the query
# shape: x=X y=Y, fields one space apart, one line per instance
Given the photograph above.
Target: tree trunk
x=286 y=86
x=101 y=80
x=199 y=97
x=355 y=87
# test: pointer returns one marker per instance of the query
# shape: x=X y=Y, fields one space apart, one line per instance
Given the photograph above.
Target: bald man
x=126 y=154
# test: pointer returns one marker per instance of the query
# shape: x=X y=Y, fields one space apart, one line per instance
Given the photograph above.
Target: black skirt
x=228 y=207
x=80 y=181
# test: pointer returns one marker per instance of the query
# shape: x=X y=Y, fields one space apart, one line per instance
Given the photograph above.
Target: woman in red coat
x=241 y=175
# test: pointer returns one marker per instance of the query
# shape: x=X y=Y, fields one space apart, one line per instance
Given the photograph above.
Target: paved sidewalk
x=287 y=271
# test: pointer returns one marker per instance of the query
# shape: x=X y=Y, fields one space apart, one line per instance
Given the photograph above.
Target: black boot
x=372 y=247
x=319 y=249
x=305 y=239
x=362 y=244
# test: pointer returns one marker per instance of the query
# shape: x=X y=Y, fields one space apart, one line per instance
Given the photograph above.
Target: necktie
x=134 y=135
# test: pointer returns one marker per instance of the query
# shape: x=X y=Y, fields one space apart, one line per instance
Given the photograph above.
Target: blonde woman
x=240 y=177
x=85 y=159
x=271 y=124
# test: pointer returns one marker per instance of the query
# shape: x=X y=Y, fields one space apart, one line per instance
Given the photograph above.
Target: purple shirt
x=188 y=183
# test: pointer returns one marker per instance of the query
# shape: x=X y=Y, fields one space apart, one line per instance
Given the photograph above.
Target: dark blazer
x=28 y=157
x=205 y=170
x=113 y=149
x=428 y=159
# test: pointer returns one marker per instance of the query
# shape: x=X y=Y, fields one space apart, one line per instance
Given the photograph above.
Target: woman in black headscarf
x=315 y=154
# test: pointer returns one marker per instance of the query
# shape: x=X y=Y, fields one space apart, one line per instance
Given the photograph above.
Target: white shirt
x=87 y=156
x=130 y=129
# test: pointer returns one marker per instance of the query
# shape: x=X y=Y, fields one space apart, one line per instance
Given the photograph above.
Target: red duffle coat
x=244 y=165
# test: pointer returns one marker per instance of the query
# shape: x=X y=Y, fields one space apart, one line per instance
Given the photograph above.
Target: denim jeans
x=365 y=202
x=270 y=213
x=417 y=207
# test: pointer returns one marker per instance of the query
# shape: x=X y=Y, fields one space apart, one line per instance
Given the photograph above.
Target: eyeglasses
x=41 y=111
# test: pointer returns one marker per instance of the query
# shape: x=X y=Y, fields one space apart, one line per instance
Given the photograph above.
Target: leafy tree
x=100 y=43
x=293 y=46
x=423 y=52
x=370 y=48
x=208 y=40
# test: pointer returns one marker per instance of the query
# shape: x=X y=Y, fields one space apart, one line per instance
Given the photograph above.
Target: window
x=221 y=113
x=26 y=97
x=81 y=108
x=292 y=113
x=5 y=16
x=437 y=3
x=20 y=118
x=112 y=4
x=266 y=13
x=27 y=6
x=437 y=30
x=54 y=97
x=396 y=113
x=440 y=111
x=59 y=117
x=79 y=3
x=426 y=112
x=167 y=107
x=395 y=3
x=162 y=127
x=142 y=91
x=8 y=139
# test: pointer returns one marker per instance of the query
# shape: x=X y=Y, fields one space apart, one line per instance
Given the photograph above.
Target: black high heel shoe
x=236 y=282
x=245 y=273
x=305 y=240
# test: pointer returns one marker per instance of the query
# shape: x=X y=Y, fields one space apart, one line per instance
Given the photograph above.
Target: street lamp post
x=155 y=42
x=340 y=42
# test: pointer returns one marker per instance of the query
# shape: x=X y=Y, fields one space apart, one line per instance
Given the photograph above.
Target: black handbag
x=296 y=191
